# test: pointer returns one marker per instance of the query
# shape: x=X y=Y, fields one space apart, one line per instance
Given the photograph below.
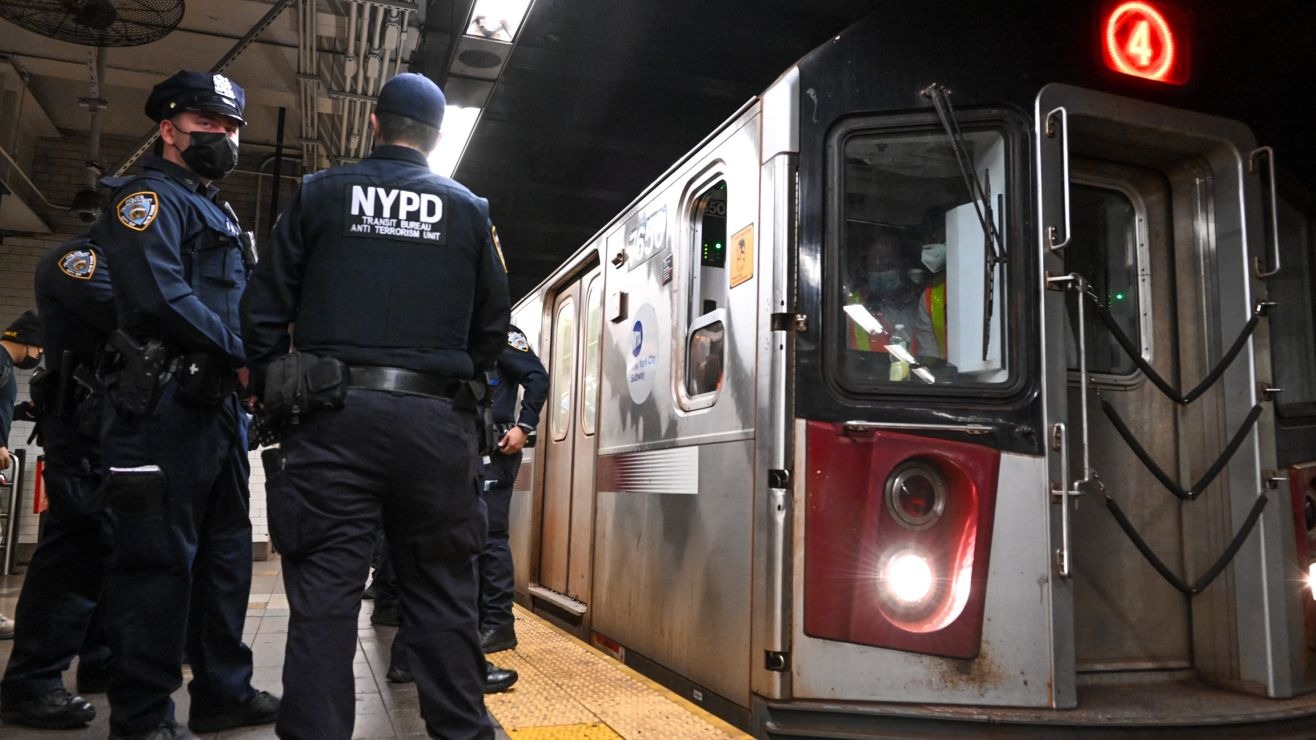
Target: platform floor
x=567 y=689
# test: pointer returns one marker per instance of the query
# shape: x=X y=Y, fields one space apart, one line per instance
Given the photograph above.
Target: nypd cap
x=199 y=92
x=26 y=329
x=413 y=96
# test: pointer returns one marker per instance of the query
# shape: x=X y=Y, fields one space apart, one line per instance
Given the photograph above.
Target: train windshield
x=920 y=298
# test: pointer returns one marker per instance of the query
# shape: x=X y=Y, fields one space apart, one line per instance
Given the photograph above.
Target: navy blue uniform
x=67 y=573
x=381 y=264
x=518 y=367
x=177 y=485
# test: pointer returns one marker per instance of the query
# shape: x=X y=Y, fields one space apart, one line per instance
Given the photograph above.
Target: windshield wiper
x=980 y=193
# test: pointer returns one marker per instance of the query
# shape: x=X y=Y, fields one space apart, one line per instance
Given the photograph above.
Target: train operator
x=58 y=614
x=174 y=442
x=393 y=281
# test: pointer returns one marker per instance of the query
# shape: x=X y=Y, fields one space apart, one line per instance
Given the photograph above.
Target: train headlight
x=1311 y=579
x=916 y=495
x=908 y=578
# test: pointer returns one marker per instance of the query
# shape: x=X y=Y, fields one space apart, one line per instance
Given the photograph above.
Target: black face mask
x=28 y=362
x=211 y=155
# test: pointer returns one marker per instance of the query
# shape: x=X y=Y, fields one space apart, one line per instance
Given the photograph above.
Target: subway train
x=962 y=382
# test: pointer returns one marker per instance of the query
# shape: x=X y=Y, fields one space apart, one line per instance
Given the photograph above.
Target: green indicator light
x=1119 y=296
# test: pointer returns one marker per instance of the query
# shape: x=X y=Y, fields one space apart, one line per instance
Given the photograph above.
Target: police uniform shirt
x=382 y=262
x=75 y=301
x=177 y=261
x=519 y=367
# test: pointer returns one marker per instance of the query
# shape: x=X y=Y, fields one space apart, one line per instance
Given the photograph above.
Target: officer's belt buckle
x=402 y=380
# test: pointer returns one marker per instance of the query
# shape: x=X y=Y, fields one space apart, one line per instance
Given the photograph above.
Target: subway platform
x=567 y=689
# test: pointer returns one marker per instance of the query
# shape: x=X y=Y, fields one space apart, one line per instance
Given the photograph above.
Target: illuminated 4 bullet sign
x=1147 y=40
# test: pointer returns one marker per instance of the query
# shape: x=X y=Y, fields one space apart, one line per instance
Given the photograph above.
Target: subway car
x=962 y=382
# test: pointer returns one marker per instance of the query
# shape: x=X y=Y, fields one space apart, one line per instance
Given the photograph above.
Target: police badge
x=138 y=210
x=223 y=87
x=517 y=341
x=79 y=263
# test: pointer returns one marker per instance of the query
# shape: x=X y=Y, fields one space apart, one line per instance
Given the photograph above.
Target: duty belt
x=401 y=380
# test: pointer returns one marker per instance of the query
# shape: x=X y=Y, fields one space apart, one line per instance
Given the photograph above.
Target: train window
x=921 y=298
x=1104 y=250
x=589 y=387
x=1291 y=321
x=564 y=367
x=705 y=348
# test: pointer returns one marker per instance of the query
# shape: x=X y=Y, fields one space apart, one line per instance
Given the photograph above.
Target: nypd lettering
x=79 y=263
x=394 y=213
x=138 y=210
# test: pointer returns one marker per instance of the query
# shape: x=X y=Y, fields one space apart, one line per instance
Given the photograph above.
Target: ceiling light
x=458 y=123
x=498 y=19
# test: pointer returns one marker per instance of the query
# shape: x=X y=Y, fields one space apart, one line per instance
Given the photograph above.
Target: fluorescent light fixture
x=458 y=124
x=866 y=321
x=498 y=20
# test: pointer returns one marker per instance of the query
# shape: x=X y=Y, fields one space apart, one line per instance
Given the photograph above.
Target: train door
x=567 y=513
x=1150 y=220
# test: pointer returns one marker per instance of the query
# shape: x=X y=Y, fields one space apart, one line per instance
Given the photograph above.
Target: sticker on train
x=642 y=364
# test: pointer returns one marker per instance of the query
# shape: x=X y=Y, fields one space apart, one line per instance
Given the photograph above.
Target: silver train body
x=729 y=494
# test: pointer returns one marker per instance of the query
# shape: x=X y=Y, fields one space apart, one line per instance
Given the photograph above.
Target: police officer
x=518 y=367
x=57 y=613
x=174 y=441
x=393 y=271
x=22 y=345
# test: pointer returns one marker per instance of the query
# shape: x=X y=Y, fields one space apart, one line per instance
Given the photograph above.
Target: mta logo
x=637 y=336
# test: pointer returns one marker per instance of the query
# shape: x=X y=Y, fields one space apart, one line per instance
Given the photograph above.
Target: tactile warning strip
x=568 y=689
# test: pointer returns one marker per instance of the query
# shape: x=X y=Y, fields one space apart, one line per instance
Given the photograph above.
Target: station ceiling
x=595 y=100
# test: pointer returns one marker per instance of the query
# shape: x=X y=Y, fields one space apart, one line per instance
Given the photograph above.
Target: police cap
x=413 y=96
x=26 y=329
x=196 y=91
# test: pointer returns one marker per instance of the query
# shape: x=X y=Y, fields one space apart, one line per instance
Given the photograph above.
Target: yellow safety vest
x=934 y=301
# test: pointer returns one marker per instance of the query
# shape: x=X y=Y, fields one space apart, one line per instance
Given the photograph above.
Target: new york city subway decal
x=394 y=213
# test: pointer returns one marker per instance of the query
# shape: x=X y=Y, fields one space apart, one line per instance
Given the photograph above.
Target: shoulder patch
x=79 y=263
x=493 y=230
x=517 y=341
x=138 y=211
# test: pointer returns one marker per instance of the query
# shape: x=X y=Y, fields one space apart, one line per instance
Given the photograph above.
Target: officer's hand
x=244 y=390
x=512 y=442
x=4 y=458
x=25 y=411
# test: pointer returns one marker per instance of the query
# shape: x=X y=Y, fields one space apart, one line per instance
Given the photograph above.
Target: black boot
x=498 y=679
x=261 y=709
x=498 y=639
x=57 y=710
x=398 y=675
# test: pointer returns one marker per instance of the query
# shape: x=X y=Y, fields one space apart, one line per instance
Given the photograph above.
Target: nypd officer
x=393 y=271
x=57 y=609
x=21 y=343
x=518 y=368
x=174 y=440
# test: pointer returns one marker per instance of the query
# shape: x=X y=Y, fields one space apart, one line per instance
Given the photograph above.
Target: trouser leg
x=221 y=587
x=436 y=527
x=497 y=577
x=62 y=586
x=324 y=514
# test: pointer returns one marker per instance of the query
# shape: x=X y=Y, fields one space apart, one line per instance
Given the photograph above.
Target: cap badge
x=223 y=87
x=138 y=210
x=79 y=263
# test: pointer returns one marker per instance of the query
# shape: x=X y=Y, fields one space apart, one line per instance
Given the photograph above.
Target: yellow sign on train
x=742 y=255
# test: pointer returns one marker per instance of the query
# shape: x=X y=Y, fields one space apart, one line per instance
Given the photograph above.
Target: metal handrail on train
x=1054 y=243
x=1269 y=154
